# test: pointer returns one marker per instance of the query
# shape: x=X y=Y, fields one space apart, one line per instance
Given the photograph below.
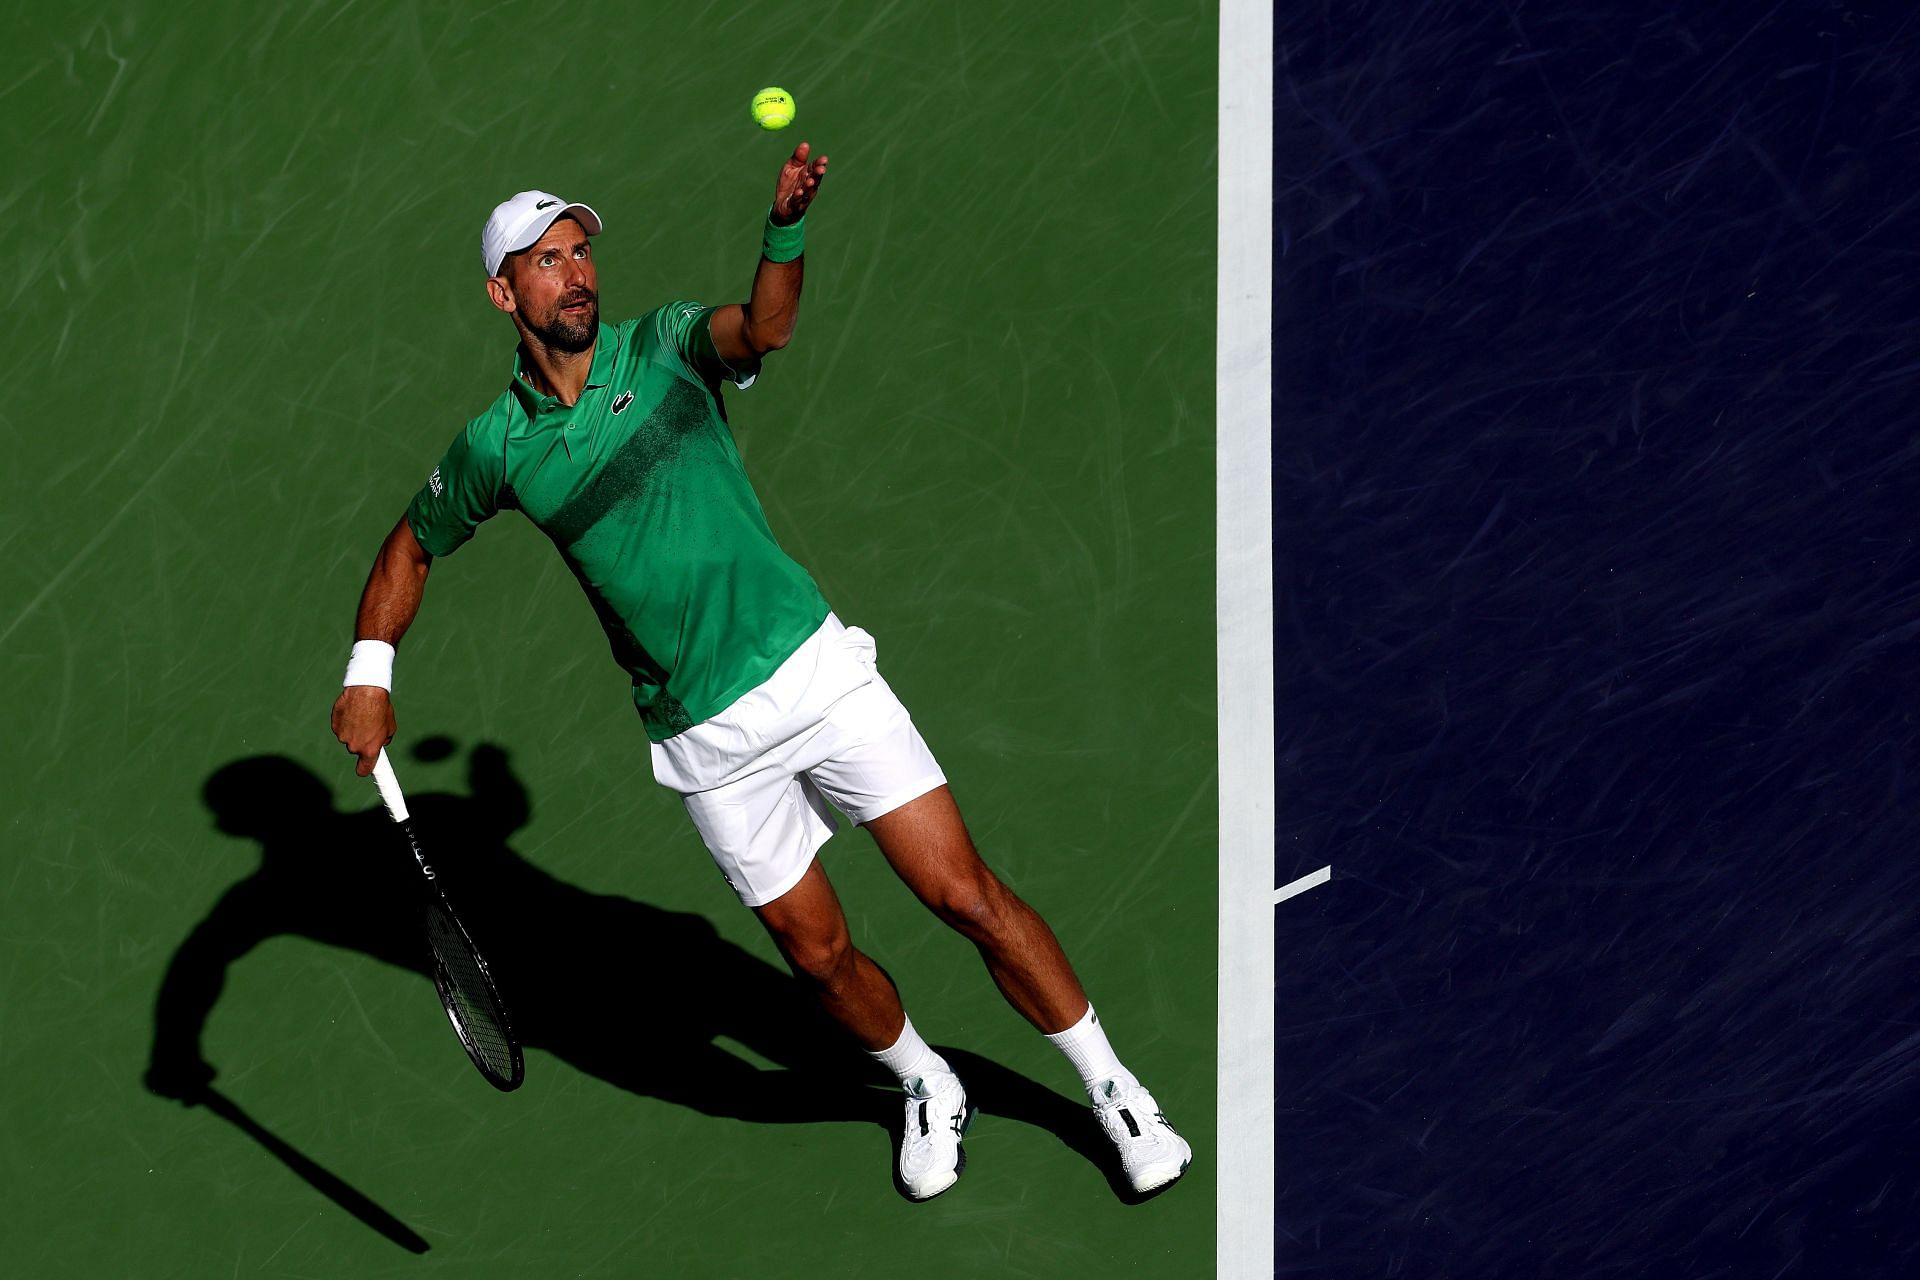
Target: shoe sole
x=959 y=1163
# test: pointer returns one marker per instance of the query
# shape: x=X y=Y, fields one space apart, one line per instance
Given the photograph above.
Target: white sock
x=910 y=1057
x=1086 y=1047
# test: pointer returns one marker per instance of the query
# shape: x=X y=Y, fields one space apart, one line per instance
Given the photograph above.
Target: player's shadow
x=634 y=994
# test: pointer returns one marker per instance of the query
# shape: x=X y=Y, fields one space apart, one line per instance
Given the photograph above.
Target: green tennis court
x=245 y=318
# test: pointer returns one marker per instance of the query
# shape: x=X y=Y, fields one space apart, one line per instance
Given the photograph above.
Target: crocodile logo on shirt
x=619 y=405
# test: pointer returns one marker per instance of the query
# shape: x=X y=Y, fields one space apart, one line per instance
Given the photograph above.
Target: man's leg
x=810 y=929
x=927 y=844
x=807 y=924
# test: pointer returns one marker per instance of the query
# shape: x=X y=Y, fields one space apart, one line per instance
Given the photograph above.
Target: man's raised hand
x=799 y=182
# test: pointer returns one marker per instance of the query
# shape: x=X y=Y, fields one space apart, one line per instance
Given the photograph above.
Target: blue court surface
x=1595 y=479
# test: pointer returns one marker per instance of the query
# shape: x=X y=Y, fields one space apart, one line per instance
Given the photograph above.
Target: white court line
x=1294 y=888
x=1243 y=585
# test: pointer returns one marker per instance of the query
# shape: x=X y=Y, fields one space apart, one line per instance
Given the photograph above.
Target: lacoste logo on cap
x=545 y=204
x=626 y=398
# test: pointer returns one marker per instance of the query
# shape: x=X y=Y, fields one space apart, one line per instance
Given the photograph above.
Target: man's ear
x=500 y=293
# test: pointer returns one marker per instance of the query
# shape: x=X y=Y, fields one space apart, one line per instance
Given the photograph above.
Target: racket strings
x=471 y=1003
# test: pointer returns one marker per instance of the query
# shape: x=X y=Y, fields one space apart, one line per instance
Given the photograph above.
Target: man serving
x=764 y=712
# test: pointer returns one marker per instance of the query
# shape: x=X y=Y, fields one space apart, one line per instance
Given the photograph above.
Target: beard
x=562 y=332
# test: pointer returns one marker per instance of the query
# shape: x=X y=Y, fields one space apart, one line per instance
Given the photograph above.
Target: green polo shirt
x=642 y=491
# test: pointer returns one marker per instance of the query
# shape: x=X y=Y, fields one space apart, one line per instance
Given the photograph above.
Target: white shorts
x=757 y=779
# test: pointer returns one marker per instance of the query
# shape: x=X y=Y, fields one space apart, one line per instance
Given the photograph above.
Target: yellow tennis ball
x=773 y=108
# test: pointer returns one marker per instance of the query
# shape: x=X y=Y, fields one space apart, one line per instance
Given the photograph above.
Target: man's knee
x=806 y=923
x=820 y=957
x=977 y=905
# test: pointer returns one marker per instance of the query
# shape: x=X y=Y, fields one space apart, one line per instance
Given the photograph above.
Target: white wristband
x=371 y=663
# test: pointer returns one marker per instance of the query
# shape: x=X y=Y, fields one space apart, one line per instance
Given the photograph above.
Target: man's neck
x=551 y=372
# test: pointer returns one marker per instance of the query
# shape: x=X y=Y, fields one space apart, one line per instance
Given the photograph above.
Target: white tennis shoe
x=1151 y=1154
x=938 y=1115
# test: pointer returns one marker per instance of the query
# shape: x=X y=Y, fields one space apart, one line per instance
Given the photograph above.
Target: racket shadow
x=315 y=1174
x=636 y=995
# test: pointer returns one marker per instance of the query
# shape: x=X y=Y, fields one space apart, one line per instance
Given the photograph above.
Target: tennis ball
x=773 y=108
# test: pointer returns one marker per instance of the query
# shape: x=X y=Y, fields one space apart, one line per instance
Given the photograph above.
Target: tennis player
x=764 y=712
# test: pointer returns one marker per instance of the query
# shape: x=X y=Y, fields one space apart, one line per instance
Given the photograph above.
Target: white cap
x=518 y=222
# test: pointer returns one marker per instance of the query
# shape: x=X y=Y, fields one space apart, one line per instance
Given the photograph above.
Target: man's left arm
x=743 y=333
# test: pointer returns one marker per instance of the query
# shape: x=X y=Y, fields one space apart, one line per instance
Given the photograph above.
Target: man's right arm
x=363 y=714
x=743 y=334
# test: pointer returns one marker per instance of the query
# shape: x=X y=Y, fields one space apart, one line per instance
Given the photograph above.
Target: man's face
x=552 y=287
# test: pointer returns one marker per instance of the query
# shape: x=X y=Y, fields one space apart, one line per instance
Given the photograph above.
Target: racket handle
x=389 y=787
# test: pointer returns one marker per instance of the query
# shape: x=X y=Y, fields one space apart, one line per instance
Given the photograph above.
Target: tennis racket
x=460 y=973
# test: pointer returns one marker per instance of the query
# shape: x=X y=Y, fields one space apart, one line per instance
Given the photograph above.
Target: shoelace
x=924 y=1135
x=1121 y=1103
